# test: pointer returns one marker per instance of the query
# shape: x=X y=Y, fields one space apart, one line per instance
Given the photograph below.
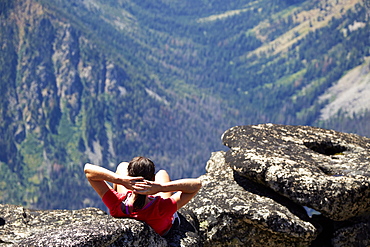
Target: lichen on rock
x=234 y=211
x=323 y=169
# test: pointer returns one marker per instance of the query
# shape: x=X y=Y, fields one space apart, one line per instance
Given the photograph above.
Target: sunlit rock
x=325 y=170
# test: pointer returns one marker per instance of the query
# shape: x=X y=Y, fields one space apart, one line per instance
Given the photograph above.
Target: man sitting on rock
x=141 y=194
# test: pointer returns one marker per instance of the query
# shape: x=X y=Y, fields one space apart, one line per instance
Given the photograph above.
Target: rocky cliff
x=276 y=186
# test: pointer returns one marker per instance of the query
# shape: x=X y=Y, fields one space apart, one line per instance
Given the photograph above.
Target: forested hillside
x=102 y=81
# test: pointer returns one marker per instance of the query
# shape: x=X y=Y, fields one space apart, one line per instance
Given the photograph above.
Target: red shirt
x=158 y=213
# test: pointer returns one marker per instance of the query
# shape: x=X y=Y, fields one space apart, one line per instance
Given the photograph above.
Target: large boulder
x=234 y=211
x=85 y=227
x=322 y=169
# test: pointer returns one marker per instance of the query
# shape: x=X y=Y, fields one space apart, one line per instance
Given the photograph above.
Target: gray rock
x=323 y=169
x=356 y=235
x=85 y=227
x=231 y=211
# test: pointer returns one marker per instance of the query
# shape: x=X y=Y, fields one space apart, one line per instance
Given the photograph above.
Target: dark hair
x=141 y=167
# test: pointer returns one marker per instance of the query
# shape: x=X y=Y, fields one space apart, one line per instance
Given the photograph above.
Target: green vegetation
x=103 y=81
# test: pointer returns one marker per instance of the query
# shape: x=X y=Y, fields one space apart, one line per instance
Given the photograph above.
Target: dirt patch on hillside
x=351 y=94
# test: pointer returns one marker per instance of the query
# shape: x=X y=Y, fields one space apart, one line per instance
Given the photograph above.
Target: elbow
x=198 y=184
x=87 y=170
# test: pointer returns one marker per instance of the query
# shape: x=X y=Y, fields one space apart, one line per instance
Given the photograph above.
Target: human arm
x=98 y=176
x=186 y=189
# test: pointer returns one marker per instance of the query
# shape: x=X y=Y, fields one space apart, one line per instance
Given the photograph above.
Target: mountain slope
x=350 y=94
x=69 y=102
x=103 y=81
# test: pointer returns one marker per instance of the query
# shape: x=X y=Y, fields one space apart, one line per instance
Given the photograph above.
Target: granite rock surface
x=85 y=227
x=322 y=169
x=234 y=211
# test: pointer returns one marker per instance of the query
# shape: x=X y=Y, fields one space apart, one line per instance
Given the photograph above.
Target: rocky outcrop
x=85 y=227
x=252 y=195
x=322 y=169
x=234 y=211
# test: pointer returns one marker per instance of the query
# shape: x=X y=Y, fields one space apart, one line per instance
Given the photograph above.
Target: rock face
x=355 y=235
x=234 y=211
x=85 y=227
x=322 y=169
x=252 y=195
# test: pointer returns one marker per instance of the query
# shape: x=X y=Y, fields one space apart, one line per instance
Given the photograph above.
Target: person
x=141 y=194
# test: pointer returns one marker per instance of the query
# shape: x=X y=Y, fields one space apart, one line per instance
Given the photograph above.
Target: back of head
x=141 y=167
